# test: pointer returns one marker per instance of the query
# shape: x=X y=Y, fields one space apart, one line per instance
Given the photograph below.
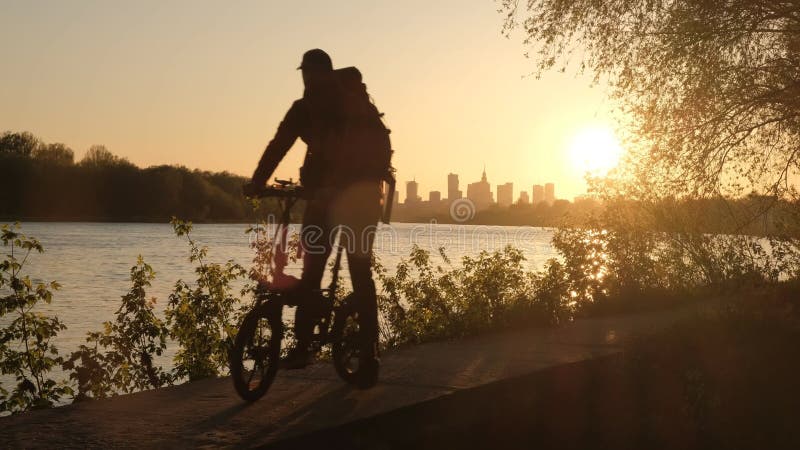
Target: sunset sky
x=205 y=84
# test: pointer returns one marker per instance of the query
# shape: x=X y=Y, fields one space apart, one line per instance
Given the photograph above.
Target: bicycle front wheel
x=256 y=352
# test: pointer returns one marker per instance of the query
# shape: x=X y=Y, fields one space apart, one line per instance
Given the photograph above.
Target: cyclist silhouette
x=338 y=200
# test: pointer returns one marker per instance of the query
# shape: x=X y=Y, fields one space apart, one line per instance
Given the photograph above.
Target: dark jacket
x=312 y=119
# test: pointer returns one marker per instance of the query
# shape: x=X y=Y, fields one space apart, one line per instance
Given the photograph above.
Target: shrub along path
x=308 y=402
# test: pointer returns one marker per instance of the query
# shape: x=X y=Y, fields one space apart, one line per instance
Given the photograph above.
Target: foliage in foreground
x=202 y=318
x=425 y=300
x=26 y=349
x=119 y=359
x=617 y=257
x=613 y=263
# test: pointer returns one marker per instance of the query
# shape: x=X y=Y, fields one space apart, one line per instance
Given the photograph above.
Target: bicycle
x=255 y=357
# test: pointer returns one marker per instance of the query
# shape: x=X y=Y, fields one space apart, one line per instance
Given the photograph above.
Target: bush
x=634 y=250
x=26 y=348
x=131 y=341
x=424 y=301
x=202 y=317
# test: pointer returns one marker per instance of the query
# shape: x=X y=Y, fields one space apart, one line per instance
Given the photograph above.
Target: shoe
x=368 y=367
x=298 y=358
x=367 y=376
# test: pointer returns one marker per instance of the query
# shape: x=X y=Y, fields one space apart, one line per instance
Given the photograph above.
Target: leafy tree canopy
x=56 y=153
x=100 y=156
x=711 y=87
x=18 y=143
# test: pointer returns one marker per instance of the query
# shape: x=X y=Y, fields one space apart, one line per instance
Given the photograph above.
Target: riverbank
x=208 y=413
x=723 y=379
x=718 y=374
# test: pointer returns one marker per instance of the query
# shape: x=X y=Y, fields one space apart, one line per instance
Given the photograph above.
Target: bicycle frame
x=259 y=339
x=279 y=258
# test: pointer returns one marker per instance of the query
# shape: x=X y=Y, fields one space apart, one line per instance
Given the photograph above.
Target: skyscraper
x=452 y=187
x=411 y=192
x=523 y=198
x=480 y=193
x=538 y=194
x=434 y=197
x=505 y=194
x=549 y=193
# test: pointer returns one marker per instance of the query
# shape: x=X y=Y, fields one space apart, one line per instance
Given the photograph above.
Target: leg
x=358 y=209
x=316 y=245
x=366 y=298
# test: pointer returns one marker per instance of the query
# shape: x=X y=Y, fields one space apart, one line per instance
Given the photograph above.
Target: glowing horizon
x=197 y=85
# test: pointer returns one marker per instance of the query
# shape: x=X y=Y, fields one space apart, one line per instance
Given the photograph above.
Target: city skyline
x=480 y=192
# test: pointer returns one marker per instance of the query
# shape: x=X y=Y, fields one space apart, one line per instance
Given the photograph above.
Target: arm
x=288 y=132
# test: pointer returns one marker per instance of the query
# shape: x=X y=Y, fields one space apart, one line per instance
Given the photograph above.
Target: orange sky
x=204 y=84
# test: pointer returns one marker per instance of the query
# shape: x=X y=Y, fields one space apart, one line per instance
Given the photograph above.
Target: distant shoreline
x=166 y=220
x=161 y=220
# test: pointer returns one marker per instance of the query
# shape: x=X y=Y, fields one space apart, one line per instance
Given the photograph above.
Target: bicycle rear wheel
x=256 y=352
x=346 y=351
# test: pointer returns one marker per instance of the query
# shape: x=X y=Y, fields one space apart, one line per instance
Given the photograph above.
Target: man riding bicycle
x=340 y=198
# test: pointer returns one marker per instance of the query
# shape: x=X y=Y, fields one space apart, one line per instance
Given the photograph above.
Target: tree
x=711 y=87
x=56 y=153
x=18 y=144
x=45 y=183
x=99 y=156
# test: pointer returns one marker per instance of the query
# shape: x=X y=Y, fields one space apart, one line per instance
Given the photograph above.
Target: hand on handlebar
x=281 y=188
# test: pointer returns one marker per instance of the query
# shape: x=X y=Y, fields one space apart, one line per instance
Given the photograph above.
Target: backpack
x=356 y=146
x=363 y=150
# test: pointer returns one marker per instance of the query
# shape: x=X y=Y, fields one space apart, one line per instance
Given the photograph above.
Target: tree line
x=42 y=181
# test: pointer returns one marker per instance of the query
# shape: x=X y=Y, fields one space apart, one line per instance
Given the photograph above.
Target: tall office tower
x=480 y=193
x=549 y=193
x=523 y=198
x=411 y=192
x=505 y=194
x=452 y=187
x=538 y=194
x=434 y=197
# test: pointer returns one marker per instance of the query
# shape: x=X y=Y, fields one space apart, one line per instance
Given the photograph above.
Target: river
x=92 y=261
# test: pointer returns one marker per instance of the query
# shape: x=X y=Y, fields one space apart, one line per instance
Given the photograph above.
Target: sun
x=595 y=150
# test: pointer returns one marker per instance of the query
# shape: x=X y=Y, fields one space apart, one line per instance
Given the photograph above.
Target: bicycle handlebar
x=280 y=189
x=291 y=190
x=281 y=192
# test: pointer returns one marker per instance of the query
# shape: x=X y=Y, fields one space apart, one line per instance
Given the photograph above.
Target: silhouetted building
x=434 y=197
x=396 y=198
x=412 y=187
x=452 y=187
x=505 y=194
x=523 y=198
x=480 y=193
x=537 y=194
x=549 y=193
